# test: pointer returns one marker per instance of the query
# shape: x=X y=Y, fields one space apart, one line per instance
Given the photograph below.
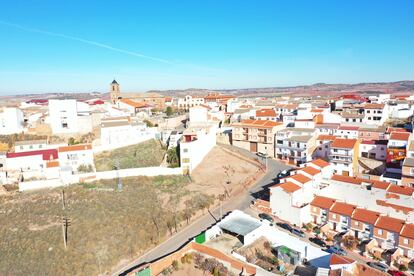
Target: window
x=405 y=241
x=379 y=231
x=21 y=147
x=185 y=150
x=356 y=223
x=334 y=216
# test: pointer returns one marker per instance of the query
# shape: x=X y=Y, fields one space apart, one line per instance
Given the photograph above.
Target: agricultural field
x=146 y=154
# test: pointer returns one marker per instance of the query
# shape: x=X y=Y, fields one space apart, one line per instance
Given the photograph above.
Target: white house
x=189 y=101
x=76 y=155
x=30 y=145
x=63 y=116
x=11 y=121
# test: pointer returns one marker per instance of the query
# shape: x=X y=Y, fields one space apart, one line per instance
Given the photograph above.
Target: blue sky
x=80 y=46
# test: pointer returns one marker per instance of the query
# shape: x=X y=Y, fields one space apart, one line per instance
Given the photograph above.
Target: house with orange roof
x=387 y=230
x=340 y=215
x=319 y=209
x=134 y=107
x=362 y=223
x=76 y=158
x=406 y=240
x=267 y=114
x=344 y=156
x=347 y=132
x=256 y=135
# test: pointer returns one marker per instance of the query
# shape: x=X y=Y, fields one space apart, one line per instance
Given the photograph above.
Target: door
x=346 y=173
x=253 y=146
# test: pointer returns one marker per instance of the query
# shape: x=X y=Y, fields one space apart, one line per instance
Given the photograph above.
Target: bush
x=169 y=111
x=172 y=157
x=402 y=267
x=85 y=168
x=175 y=265
x=149 y=123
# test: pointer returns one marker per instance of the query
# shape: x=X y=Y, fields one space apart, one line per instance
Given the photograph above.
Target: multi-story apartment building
x=348 y=132
x=374 y=114
x=256 y=135
x=344 y=156
x=295 y=145
x=189 y=101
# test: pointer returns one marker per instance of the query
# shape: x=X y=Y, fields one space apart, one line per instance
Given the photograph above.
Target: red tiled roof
x=301 y=178
x=75 y=148
x=259 y=123
x=389 y=224
x=343 y=143
x=339 y=260
x=316 y=110
x=379 y=184
x=320 y=163
x=311 y=171
x=47 y=154
x=265 y=113
x=373 y=106
x=403 y=136
x=343 y=208
x=326 y=137
x=396 y=207
x=408 y=231
x=347 y=179
x=322 y=202
x=348 y=128
x=402 y=190
x=396 y=129
x=134 y=104
x=365 y=216
x=289 y=187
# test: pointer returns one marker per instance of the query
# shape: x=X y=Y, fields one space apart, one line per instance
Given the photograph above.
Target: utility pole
x=65 y=225
x=119 y=188
x=63 y=199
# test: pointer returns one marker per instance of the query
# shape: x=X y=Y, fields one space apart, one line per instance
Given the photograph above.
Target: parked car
x=266 y=217
x=396 y=273
x=284 y=173
x=336 y=250
x=318 y=241
x=284 y=226
x=298 y=232
x=379 y=266
x=262 y=155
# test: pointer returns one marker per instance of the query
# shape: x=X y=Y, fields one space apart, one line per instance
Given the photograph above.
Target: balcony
x=290 y=147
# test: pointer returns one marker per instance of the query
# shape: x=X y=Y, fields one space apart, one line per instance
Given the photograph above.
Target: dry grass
x=106 y=226
x=146 y=154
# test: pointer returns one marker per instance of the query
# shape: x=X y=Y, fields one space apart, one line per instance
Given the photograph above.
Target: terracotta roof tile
x=408 y=231
x=310 y=171
x=300 y=178
x=348 y=128
x=347 y=179
x=289 y=187
x=403 y=190
x=258 y=123
x=338 y=260
x=322 y=202
x=402 y=136
x=389 y=224
x=365 y=216
x=396 y=207
x=320 y=163
x=343 y=143
x=373 y=106
x=326 y=137
x=266 y=113
x=343 y=208
x=75 y=148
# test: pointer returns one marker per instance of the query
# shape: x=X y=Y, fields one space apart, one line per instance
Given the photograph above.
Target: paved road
x=241 y=202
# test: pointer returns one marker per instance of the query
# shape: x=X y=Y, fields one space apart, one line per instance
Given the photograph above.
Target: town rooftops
x=327 y=125
x=75 y=148
x=347 y=179
x=340 y=260
x=266 y=113
x=322 y=202
x=402 y=136
x=365 y=216
x=389 y=224
x=380 y=184
x=403 y=190
x=353 y=128
x=343 y=143
x=134 y=104
x=300 y=139
x=300 y=178
x=373 y=106
x=326 y=137
x=407 y=231
x=47 y=154
x=320 y=163
x=406 y=210
x=343 y=208
x=297 y=129
x=352 y=115
x=310 y=170
x=289 y=187
x=396 y=129
x=30 y=142
x=258 y=123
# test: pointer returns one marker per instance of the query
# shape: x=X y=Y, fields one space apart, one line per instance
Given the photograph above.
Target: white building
x=11 y=121
x=196 y=143
x=30 y=145
x=75 y=156
x=189 y=101
x=373 y=149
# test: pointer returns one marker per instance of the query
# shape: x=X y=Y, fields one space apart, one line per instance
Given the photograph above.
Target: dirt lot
x=222 y=171
x=107 y=226
x=146 y=154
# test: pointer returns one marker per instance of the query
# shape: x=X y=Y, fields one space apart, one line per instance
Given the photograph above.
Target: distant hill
x=399 y=87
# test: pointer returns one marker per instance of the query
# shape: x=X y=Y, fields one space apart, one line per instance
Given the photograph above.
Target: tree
x=169 y=111
x=172 y=157
x=83 y=168
x=149 y=123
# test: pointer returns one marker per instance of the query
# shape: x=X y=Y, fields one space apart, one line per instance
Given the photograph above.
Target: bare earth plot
x=106 y=226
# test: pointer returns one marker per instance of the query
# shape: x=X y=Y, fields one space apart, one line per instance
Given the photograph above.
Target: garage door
x=253 y=147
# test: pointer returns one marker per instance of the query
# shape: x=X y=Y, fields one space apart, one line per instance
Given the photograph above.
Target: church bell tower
x=114 y=91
